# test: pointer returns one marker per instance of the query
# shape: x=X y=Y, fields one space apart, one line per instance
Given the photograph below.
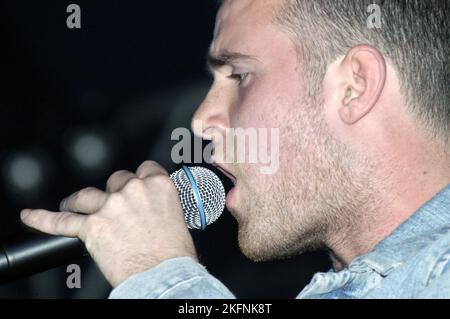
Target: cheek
x=251 y=110
x=267 y=103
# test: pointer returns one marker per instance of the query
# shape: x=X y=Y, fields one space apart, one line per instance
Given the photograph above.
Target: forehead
x=243 y=23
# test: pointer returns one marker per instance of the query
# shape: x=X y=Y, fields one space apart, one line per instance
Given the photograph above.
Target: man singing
x=364 y=156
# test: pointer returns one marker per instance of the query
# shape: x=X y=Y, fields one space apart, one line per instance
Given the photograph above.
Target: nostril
x=212 y=133
x=197 y=128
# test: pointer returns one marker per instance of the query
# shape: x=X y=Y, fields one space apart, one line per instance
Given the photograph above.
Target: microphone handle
x=34 y=252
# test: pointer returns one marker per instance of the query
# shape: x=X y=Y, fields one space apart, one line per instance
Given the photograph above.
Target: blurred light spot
x=25 y=172
x=89 y=150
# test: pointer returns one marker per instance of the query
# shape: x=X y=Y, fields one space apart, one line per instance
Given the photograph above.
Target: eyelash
x=239 y=77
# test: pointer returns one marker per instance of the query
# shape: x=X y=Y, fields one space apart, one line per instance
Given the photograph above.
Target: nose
x=212 y=116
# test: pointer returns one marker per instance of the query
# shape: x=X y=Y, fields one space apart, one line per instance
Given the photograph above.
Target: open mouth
x=226 y=173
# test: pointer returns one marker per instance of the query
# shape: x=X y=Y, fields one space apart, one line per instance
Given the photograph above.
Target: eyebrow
x=226 y=57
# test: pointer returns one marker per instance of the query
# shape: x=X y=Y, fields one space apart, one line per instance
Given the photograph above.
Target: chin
x=261 y=245
x=254 y=246
x=253 y=254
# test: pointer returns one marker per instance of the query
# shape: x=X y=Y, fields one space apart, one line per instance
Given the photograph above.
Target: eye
x=239 y=77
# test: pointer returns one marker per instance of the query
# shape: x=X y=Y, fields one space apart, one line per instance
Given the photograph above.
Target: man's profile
x=364 y=157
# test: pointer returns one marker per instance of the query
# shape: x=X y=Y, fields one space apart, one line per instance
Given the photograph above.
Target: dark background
x=78 y=104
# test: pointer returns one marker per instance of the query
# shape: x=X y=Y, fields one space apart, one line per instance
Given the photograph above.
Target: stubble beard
x=315 y=194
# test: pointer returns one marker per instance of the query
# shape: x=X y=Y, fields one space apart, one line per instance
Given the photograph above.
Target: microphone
x=202 y=198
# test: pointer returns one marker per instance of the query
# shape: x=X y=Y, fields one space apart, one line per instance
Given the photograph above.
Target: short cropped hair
x=413 y=37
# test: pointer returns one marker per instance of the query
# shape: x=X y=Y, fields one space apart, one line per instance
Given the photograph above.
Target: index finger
x=150 y=168
x=53 y=223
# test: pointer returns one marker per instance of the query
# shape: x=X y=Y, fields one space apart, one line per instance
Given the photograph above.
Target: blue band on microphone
x=198 y=199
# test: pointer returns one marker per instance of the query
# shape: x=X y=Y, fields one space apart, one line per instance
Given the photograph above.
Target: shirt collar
x=386 y=256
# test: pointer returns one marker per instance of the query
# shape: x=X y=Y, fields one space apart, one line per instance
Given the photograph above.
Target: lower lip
x=230 y=196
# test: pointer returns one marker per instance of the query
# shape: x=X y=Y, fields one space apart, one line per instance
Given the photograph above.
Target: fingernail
x=24 y=213
x=62 y=205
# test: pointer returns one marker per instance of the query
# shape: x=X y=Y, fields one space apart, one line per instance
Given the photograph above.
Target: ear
x=363 y=76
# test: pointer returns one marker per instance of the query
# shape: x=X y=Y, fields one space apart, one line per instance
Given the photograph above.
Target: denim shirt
x=412 y=262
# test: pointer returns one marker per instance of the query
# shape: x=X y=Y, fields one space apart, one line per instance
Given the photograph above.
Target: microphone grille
x=202 y=195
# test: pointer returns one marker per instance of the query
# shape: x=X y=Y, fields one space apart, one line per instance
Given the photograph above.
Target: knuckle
x=83 y=192
x=149 y=168
x=149 y=163
x=73 y=200
x=114 y=176
x=145 y=167
x=161 y=181
x=113 y=203
x=61 y=222
x=74 y=197
x=134 y=184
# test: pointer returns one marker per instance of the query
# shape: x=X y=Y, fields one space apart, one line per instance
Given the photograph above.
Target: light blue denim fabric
x=412 y=262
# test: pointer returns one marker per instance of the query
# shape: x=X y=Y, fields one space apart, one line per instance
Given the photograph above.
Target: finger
x=118 y=180
x=59 y=224
x=150 y=168
x=86 y=201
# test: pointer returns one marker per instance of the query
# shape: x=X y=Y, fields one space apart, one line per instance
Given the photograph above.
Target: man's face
x=258 y=84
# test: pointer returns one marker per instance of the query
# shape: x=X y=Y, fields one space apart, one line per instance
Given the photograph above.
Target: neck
x=417 y=175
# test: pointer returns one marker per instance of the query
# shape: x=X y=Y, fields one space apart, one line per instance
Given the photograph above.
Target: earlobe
x=346 y=115
x=364 y=77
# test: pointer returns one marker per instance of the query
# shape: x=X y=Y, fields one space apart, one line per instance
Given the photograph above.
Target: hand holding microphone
x=140 y=220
